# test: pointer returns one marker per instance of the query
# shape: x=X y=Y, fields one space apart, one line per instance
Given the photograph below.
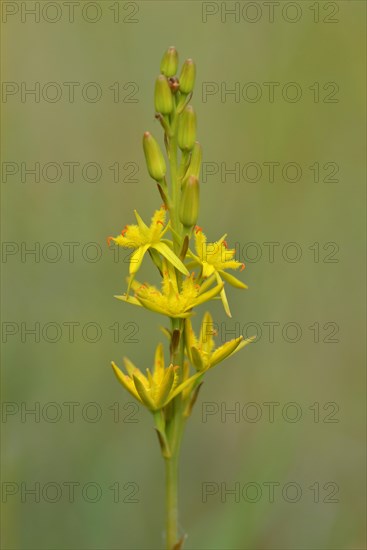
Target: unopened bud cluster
x=172 y=95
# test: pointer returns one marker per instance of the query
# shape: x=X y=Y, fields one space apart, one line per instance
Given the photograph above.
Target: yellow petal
x=207 y=284
x=144 y=394
x=225 y=303
x=232 y=280
x=129 y=299
x=190 y=381
x=190 y=338
x=129 y=366
x=208 y=295
x=225 y=351
x=141 y=224
x=206 y=333
x=125 y=381
x=148 y=304
x=137 y=258
x=163 y=249
x=244 y=343
x=200 y=242
x=159 y=362
x=165 y=386
x=197 y=359
x=122 y=241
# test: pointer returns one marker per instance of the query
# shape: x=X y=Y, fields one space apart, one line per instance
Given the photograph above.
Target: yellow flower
x=157 y=388
x=142 y=238
x=201 y=351
x=214 y=258
x=171 y=301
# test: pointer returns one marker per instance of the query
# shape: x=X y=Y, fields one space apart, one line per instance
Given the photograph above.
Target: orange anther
x=197 y=229
x=109 y=239
x=124 y=231
x=225 y=244
x=159 y=221
x=242 y=267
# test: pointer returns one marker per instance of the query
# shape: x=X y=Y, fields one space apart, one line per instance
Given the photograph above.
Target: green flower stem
x=171 y=501
x=172 y=470
x=174 y=432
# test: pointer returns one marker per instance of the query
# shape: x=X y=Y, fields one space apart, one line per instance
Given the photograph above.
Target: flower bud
x=169 y=62
x=187 y=129
x=154 y=158
x=163 y=99
x=189 y=207
x=187 y=76
x=195 y=161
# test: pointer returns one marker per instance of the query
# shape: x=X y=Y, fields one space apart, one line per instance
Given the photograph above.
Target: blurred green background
x=114 y=460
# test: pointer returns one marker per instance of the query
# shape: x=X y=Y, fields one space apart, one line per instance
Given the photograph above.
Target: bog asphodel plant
x=193 y=270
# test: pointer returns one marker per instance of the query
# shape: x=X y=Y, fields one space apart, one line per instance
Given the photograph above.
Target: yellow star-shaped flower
x=201 y=351
x=171 y=301
x=142 y=238
x=157 y=388
x=213 y=259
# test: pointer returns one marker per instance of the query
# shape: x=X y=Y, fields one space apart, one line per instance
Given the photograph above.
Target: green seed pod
x=169 y=62
x=189 y=207
x=163 y=99
x=154 y=158
x=187 y=129
x=187 y=76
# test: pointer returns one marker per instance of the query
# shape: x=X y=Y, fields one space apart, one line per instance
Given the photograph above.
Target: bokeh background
x=315 y=442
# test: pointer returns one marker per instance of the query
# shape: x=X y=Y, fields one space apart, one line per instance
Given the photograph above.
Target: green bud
x=195 y=162
x=169 y=62
x=154 y=158
x=189 y=207
x=163 y=99
x=187 y=129
x=187 y=76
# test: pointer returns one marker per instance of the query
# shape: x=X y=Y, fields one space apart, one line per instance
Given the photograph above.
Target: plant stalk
x=175 y=425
